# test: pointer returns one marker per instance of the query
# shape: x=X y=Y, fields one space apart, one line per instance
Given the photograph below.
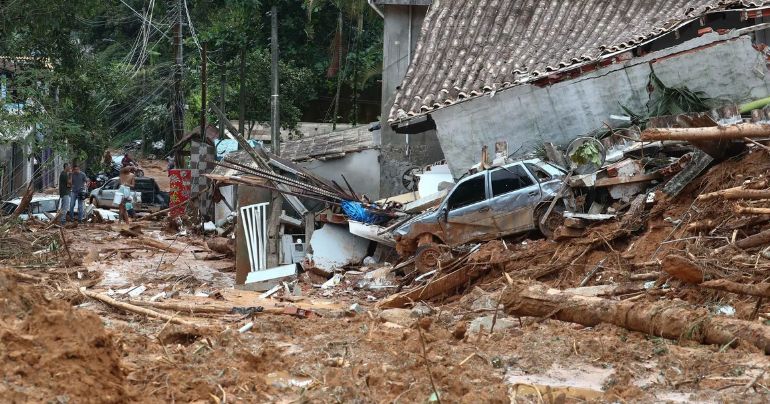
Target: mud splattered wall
x=722 y=66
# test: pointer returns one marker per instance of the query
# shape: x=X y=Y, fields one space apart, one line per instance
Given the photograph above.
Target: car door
x=107 y=194
x=467 y=214
x=515 y=195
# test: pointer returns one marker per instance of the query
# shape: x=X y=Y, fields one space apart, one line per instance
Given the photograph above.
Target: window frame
x=484 y=180
x=508 y=168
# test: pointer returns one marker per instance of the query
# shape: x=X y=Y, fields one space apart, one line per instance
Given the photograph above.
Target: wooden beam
x=732 y=132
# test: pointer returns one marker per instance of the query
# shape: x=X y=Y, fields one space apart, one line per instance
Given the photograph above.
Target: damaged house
x=532 y=72
x=18 y=165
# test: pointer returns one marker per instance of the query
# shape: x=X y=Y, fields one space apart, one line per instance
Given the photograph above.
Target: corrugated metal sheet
x=471 y=47
x=329 y=145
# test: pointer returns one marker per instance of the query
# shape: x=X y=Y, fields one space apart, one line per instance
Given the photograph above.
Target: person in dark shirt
x=79 y=183
x=127 y=161
x=64 y=192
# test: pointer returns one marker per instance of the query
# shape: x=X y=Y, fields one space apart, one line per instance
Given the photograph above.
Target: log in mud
x=665 y=319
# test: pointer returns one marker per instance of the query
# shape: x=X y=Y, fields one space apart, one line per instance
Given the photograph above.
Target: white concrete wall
x=361 y=169
x=527 y=115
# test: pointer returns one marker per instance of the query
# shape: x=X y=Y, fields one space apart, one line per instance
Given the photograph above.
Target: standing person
x=107 y=161
x=127 y=181
x=65 y=185
x=79 y=183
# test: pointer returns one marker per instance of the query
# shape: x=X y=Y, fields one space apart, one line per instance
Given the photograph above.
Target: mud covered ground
x=57 y=345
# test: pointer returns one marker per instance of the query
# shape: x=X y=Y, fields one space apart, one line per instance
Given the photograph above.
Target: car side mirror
x=444 y=214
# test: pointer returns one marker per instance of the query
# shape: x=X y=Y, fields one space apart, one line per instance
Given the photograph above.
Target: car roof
x=35 y=198
x=527 y=161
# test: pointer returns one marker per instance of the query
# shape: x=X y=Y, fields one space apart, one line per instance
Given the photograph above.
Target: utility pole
x=203 y=93
x=275 y=118
x=242 y=101
x=222 y=103
x=275 y=229
x=178 y=105
x=339 y=72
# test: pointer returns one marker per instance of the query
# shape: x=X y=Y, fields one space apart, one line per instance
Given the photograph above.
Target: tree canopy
x=93 y=73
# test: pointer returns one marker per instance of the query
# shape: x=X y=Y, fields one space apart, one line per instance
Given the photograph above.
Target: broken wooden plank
x=646 y=276
x=702 y=225
x=757 y=289
x=564 y=233
x=608 y=182
x=676 y=184
x=660 y=318
x=589 y=216
x=682 y=268
x=444 y=284
x=732 y=132
x=736 y=193
x=575 y=223
x=750 y=210
x=136 y=309
x=425 y=202
x=152 y=243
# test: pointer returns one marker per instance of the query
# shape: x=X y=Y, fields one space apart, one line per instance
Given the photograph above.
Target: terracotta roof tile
x=471 y=47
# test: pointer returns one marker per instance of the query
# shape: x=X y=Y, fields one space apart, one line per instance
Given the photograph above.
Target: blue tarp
x=358 y=212
x=225 y=146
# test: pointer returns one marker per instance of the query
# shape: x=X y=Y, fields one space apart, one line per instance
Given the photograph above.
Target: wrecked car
x=502 y=201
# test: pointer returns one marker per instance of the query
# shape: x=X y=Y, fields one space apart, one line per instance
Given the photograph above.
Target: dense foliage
x=91 y=73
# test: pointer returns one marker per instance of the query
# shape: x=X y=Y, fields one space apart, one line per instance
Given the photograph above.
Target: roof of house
x=472 y=47
x=328 y=146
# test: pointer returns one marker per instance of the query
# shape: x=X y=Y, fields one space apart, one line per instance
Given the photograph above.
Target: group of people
x=73 y=189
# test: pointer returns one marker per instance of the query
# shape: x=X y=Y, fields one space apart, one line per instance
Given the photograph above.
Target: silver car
x=491 y=204
x=103 y=197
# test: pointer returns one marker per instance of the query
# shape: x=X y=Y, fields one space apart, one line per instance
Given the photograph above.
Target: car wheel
x=431 y=257
x=555 y=219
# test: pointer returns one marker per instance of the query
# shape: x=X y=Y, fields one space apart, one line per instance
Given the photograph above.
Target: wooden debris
x=608 y=182
x=632 y=219
x=683 y=269
x=575 y=223
x=660 y=318
x=755 y=240
x=221 y=245
x=24 y=202
x=743 y=210
x=136 y=309
x=646 y=276
x=757 y=289
x=152 y=243
x=732 y=132
x=702 y=225
x=564 y=233
x=444 y=284
x=676 y=184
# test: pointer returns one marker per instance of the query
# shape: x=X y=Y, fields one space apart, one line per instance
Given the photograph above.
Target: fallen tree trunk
x=732 y=132
x=757 y=289
x=744 y=210
x=441 y=285
x=157 y=244
x=755 y=240
x=661 y=318
x=24 y=202
x=135 y=309
x=703 y=225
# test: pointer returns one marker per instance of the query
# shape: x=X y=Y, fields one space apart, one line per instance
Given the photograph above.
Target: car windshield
x=44 y=206
x=145 y=185
x=9 y=207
